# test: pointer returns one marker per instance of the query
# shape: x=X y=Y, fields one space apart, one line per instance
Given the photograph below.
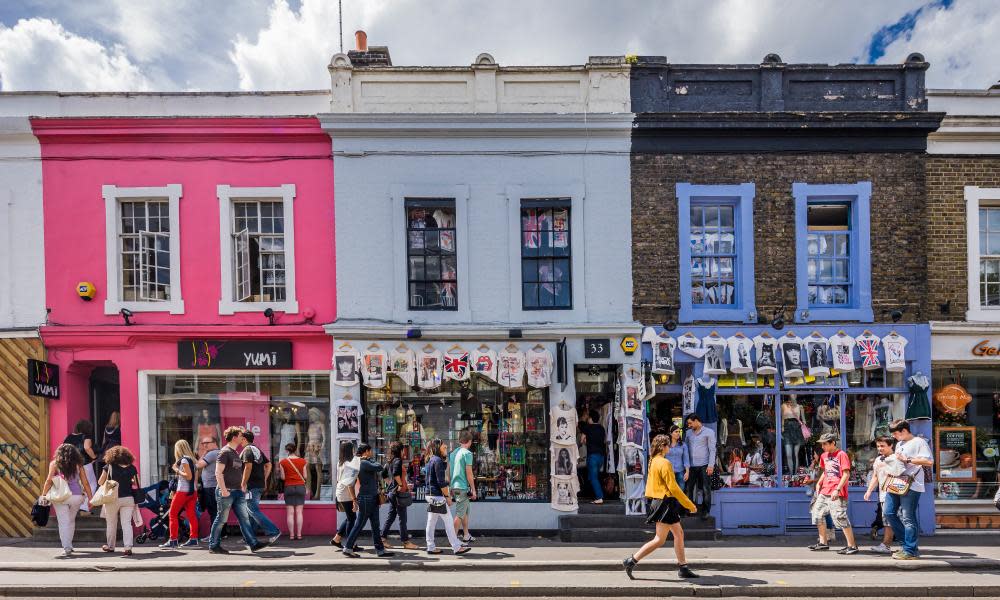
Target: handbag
x=438 y=507
x=39 y=514
x=654 y=506
x=107 y=492
x=898 y=484
x=59 y=492
x=404 y=499
x=138 y=494
x=806 y=432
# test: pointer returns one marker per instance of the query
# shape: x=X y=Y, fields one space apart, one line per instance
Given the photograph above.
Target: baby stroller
x=158 y=502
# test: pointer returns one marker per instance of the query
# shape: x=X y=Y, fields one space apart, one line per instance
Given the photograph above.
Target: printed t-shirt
x=252 y=454
x=833 y=469
x=208 y=473
x=232 y=468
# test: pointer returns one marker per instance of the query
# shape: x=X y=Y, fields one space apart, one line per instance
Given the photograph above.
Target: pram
x=158 y=502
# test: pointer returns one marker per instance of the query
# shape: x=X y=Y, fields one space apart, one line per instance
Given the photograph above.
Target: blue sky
x=285 y=44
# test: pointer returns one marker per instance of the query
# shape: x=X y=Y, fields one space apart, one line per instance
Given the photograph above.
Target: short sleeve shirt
x=915 y=448
x=258 y=460
x=834 y=467
x=232 y=473
x=208 y=473
x=460 y=459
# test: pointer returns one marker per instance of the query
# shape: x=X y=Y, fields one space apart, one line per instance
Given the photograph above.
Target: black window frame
x=411 y=253
x=536 y=260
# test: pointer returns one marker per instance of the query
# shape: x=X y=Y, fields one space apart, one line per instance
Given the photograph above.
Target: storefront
x=966 y=394
x=786 y=392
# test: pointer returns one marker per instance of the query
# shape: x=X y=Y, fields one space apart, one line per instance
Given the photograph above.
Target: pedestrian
x=593 y=435
x=831 y=494
x=439 y=499
x=83 y=439
x=399 y=488
x=667 y=501
x=256 y=470
x=679 y=455
x=67 y=463
x=208 y=453
x=901 y=511
x=369 y=473
x=185 y=496
x=112 y=432
x=884 y=445
x=463 y=484
x=347 y=498
x=814 y=472
x=293 y=471
x=700 y=441
x=230 y=494
x=120 y=467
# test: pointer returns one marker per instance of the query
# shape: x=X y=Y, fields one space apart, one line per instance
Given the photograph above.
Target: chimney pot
x=361 y=41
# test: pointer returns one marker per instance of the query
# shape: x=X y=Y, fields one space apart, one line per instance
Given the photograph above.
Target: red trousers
x=184 y=501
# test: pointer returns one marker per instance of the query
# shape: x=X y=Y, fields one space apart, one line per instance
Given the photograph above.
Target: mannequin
x=288 y=433
x=792 y=417
x=316 y=451
x=206 y=427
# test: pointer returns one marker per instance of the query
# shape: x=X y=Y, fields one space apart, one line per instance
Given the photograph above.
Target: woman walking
x=185 y=496
x=293 y=470
x=439 y=499
x=82 y=439
x=121 y=469
x=398 y=486
x=68 y=464
x=678 y=454
x=666 y=502
x=347 y=500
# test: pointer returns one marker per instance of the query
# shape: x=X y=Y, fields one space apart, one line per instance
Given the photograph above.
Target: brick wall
x=899 y=264
x=947 y=274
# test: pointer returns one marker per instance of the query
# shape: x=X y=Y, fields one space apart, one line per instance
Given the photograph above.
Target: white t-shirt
x=429 y=370
x=510 y=369
x=564 y=459
x=739 y=354
x=484 y=362
x=915 y=448
x=843 y=352
x=663 y=354
x=792 y=356
x=690 y=344
x=347 y=475
x=539 y=368
x=767 y=355
x=715 y=355
x=895 y=352
x=401 y=364
x=373 y=368
x=868 y=344
x=563 y=434
x=816 y=350
x=345 y=367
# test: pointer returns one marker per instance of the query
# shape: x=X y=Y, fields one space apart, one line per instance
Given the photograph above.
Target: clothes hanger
x=428 y=348
x=816 y=334
x=538 y=347
x=455 y=347
x=402 y=347
x=348 y=397
x=841 y=332
x=511 y=347
x=374 y=347
x=765 y=334
x=563 y=405
x=345 y=346
x=739 y=334
x=867 y=332
x=483 y=348
x=714 y=334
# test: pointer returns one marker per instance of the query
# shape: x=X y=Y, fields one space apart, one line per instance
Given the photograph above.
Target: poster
x=348 y=420
x=956 y=453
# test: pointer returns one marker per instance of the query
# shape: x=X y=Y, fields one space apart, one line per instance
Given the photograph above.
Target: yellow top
x=661 y=483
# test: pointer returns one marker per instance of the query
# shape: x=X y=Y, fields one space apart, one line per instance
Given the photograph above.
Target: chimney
x=360 y=41
x=368 y=56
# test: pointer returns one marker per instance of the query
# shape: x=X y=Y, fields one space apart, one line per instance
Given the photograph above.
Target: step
x=625 y=521
x=593 y=535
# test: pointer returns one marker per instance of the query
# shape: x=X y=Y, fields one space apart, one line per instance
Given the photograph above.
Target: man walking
x=901 y=510
x=593 y=435
x=831 y=494
x=256 y=470
x=463 y=483
x=208 y=453
x=701 y=448
x=230 y=494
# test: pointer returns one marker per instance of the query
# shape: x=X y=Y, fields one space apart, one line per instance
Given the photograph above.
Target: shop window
x=431 y=255
x=804 y=418
x=868 y=417
x=546 y=281
x=143 y=249
x=833 y=252
x=258 y=260
x=746 y=441
x=510 y=432
x=716 y=252
x=277 y=408
x=967 y=470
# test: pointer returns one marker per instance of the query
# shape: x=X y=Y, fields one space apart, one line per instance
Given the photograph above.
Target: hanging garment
x=843 y=352
x=689 y=395
x=706 y=409
x=767 y=355
x=564 y=493
x=510 y=369
x=918 y=407
x=429 y=372
x=792 y=355
x=374 y=368
x=402 y=364
x=868 y=349
x=649 y=335
x=816 y=350
x=345 y=366
x=715 y=355
x=663 y=354
x=564 y=459
x=484 y=362
x=456 y=365
x=895 y=352
x=564 y=425
x=539 y=368
x=881 y=417
x=691 y=345
x=739 y=354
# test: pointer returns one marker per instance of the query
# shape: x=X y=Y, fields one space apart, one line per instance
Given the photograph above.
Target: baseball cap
x=827 y=437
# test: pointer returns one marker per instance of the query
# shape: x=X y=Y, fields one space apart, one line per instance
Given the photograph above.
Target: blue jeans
x=259 y=518
x=367 y=513
x=901 y=515
x=594 y=464
x=236 y=501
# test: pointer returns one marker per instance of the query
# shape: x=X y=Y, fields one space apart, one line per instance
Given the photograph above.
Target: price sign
x=597 y=348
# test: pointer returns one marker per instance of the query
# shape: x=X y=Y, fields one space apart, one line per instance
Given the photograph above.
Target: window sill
x=808 y=315
x=228 y=307
x=985 y=315
x=174 y=307
x=736 y=315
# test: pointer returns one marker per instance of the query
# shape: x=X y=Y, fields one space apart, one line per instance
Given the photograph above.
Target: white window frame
x=113 y=196
x=228 y=304
x=975 y=198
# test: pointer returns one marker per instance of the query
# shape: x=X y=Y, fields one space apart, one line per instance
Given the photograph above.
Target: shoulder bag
x=107 y=492
x=404 y=498
x=897 y=484
x=806 y=432
x=138 y=495
x=438 y=507
x=59 y=492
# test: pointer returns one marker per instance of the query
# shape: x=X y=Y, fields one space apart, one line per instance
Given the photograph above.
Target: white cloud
x=960 y=43
x=39 y=54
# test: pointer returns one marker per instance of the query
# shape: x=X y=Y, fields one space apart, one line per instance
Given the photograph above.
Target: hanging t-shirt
x=484 y=362
x=456 y=365
x=649 y=335
x=345 y=366
x=739 y=354
x=564 y=460
x=792 y=355
x=868 y=344
x=895 y=352
x=843 y=352
x=918 y=406
x=429 y=370
x=881 y=418
x=767 y=355
x=564 y=425
x=663 y=354
x=539 y=368
x=401 y=364
x=816 y=350
x=691 y=345
x=564 y=493
x=510 y=369
x=715 y=355
x=374 y=368
x=688 y=395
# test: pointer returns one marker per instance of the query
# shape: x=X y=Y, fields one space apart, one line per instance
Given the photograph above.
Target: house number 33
x=597 y=348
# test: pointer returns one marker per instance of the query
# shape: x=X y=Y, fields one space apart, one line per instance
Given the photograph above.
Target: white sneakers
x=882 y=549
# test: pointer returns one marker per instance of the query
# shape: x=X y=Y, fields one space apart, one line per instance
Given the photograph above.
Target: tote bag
x=107 y=492
x=59 y=492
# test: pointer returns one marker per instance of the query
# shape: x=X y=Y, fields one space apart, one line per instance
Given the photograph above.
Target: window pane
x=697 y=291
x=726 y=267
x=562 y=295
x=529 y=271
x=993 y=216
x=530 y=295
x=825 y=270
x=842 y=245
x=982 y=219
x=812 y=244
x=813 y=294
x=432 y=267
x=560 y=270
x=697 y=241
x=726 y=243
x=840 y=270
x=726 y=216
x=711 y=216
x=697 y=216
x=994 y=243
x=698 y=266
x=748 y=456
x=829 y=217
x=982 y=242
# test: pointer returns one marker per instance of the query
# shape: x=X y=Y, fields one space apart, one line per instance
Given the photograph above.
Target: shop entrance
x=595 y=392
x=105 y=403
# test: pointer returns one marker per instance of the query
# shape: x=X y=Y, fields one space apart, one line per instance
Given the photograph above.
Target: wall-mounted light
x=269 y=313
x=778 y=319
x=412 y=334
x=126 y=315
x=671 y=323
x=515 y=334
x=945 y=308
x=894 y=314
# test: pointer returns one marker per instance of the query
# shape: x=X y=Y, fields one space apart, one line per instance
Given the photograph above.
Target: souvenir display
x=868 y=344
x=456 y=365
x=429 y=369
x=484 y=362
x=539 y=367
x=739 y=353
x=792 y=355
x=842 y=346
x=715 y=354
x=348 y=420
x=663 y=354
x=816 y=350
x=345 y=366
x=564 y=494
x=510 y=367
x=374 y=368
x=564 y=425
x=895 y=352
x=767 y=354
x=402 y=364
x=690 y=344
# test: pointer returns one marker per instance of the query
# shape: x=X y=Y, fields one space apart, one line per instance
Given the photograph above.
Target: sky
x=221 y=45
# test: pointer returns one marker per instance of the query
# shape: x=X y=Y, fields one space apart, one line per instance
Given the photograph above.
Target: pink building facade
x=207 y=245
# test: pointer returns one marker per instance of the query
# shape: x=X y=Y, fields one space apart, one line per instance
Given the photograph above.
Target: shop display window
x=868 y=417
x=746 y=440
x=510 y=433
x=803 y=419
x=969 y=470
x=279 y=409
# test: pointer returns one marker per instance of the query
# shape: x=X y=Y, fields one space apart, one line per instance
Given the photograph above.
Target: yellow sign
x=630 y=345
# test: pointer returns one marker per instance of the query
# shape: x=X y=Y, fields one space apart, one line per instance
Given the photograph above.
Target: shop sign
x=596 y=347
x=43 y=379
x=985 y=348
x=629 y=345
x=234 y=354
x=956 y=453
x=952 y=399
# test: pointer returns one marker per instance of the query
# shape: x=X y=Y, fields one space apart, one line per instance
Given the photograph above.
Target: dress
x=919 y=406
x=706 y=409
x=287 y=436
x=314 y=447
x=791 y=428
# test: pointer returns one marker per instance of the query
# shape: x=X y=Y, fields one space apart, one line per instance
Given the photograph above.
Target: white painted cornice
x=476 y=125
x=477 y=331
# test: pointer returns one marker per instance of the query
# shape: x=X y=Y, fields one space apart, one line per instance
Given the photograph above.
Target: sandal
x=127 y=552
x=107 y=548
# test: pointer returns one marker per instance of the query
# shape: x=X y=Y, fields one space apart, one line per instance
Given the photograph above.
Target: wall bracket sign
x=43 y=379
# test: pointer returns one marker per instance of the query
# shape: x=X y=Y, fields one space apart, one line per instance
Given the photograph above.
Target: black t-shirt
x=395 y=470
x=595 y=438
x=78 y=440
x=124 y=476
x=254 y=456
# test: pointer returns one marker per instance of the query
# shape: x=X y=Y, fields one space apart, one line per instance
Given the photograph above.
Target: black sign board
x=597 y=347
x=561 y=364
x=234 y=354
x=43 y=379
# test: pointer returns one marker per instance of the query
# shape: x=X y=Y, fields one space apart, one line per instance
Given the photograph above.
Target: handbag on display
x=438 y=507
x=806 y=432
x=59 y=492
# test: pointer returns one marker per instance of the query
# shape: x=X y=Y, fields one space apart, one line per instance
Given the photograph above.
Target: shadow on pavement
x=494 y=555
x=707 y=580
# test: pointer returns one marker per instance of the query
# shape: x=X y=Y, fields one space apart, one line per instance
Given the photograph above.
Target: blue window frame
x=832 y=252
x=715 y=232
